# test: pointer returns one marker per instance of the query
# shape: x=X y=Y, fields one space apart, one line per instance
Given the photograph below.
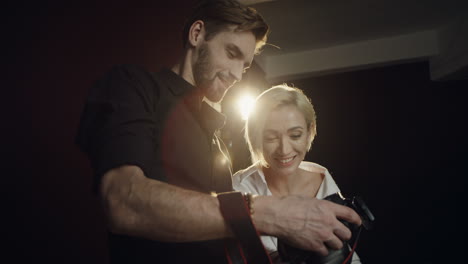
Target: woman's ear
x=196 y=33
x=311 y=134
x=313 y=129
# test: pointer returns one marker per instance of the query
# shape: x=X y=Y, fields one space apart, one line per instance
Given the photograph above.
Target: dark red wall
x=397 y=139
x=389 y=134
x=56 y=50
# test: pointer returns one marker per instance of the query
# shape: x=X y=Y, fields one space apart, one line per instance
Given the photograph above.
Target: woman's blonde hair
x=268 y=101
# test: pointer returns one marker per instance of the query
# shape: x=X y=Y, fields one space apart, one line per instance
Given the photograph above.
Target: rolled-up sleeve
x=118 y=124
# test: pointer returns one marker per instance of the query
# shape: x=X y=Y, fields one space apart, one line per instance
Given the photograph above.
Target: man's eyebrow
x=238 y=54
x=235 y=49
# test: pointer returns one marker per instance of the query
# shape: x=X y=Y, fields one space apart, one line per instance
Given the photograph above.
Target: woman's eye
x=296 y=136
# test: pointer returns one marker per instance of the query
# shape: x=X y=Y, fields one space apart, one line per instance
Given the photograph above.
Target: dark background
x=389 y=134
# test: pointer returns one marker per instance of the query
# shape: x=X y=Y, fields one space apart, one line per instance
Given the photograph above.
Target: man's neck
x=184 y=68
x=185 y=72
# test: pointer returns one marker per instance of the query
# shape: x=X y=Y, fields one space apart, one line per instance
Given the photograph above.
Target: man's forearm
x=151 y=209
x=139 y=206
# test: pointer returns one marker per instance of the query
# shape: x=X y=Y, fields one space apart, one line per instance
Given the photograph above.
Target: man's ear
x=196 y=33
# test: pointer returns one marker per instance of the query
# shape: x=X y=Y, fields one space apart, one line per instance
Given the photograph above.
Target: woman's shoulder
x=313 y=167
x=328 y=185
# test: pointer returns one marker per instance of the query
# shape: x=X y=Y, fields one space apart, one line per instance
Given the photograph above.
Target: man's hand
x=306 y=223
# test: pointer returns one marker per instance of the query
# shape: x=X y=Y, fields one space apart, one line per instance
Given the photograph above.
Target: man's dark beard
x=202 y=66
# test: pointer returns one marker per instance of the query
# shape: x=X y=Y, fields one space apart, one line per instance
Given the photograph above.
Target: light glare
x=245 y=105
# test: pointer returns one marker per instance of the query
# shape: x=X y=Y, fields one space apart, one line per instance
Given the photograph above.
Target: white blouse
x=252 y=180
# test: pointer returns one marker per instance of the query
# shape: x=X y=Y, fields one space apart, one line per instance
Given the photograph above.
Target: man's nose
x=237 y=70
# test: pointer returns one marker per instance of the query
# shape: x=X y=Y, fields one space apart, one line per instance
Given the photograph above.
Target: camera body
x=293 y=255
x=358 y=205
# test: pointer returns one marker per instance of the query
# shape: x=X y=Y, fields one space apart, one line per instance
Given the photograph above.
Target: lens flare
x=245 y=105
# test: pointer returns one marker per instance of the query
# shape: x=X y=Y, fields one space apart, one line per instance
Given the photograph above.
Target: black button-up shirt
x=156 y=121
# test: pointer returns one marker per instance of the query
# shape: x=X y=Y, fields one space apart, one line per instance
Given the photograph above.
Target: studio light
x=245 y=104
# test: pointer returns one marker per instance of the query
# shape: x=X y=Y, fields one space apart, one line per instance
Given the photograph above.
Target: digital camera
x=292 y=255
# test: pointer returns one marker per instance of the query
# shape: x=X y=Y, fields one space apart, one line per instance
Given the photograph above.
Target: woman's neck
x=281 y=184
x=300 y=182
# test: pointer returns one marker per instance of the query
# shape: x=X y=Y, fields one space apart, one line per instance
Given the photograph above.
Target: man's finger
x=334 y=243
x=342 y=232
x=322 y=250
x=345 y=213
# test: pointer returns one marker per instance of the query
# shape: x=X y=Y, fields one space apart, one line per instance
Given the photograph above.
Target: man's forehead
x=243 y=41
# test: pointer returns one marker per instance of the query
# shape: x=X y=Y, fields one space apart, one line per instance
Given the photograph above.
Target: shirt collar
x=177 y=85
x=211 y=118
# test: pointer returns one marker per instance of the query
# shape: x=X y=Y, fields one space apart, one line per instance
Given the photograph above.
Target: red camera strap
x=236 y=212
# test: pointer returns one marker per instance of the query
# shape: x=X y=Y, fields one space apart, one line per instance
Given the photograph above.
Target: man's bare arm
x=142 y=207
x=138 y=206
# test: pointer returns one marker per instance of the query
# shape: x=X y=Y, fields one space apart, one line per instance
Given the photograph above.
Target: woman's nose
x=285 y=146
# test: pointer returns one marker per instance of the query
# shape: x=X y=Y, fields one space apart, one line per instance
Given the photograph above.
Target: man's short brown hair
x=217 y=15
